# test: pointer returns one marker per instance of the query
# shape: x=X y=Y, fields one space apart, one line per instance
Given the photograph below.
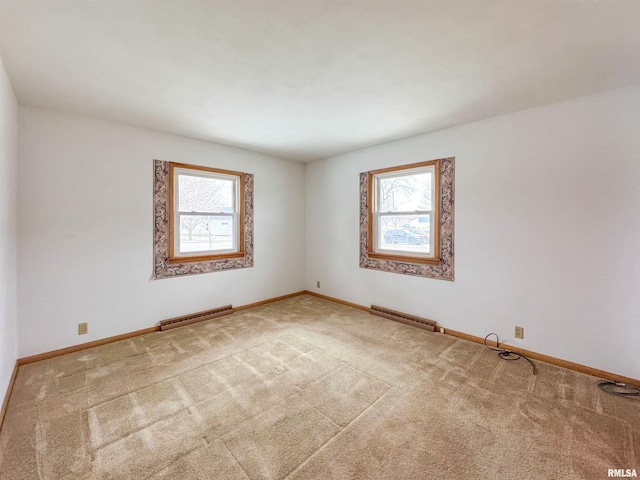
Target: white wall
x=8 y=249
x=547 y=230
x=86 y=221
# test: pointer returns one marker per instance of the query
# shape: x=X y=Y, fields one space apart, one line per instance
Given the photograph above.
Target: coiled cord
x=614 y=388
x=618 y=388
x=507 y=354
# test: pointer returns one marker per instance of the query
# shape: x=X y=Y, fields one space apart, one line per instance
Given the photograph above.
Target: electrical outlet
x=519 y=332
x=318 y=284
x=83 y=328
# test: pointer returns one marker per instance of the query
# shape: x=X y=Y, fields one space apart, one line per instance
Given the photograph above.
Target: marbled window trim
x=440 y=271
x=161 y=267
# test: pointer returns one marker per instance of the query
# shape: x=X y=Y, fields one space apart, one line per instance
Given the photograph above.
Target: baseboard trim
x=465 y=336
x=270 y=300
x=559 y=362
x=83 y=346
x=337 y=300
x=576 y=367
x=103 y=341
x=7 y=395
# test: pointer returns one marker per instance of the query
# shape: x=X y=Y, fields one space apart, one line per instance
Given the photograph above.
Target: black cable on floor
x=618 y=388
x=507 y=354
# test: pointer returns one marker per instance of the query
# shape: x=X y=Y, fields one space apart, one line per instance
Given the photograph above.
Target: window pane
x=202 y=194
x=405 y=233
x=405 y=193
x=203 y=233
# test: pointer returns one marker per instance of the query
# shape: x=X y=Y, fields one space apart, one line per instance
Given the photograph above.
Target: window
x=203 y=219
x=404 y=212
x=406 y=219
x=206 y=216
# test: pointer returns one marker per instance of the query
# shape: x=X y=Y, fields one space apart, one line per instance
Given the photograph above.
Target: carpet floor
x=304 y=388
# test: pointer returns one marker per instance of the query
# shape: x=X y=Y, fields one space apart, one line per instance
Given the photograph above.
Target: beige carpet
x=308 y=389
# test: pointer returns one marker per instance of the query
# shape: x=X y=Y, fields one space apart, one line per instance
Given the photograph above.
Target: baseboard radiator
x=412 y=320
x=195 y=317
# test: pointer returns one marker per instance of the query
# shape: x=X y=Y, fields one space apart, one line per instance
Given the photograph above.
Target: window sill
x=403 y=258
x=204 y=258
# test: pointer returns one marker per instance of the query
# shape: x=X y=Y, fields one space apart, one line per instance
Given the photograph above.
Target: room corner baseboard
x=472 y=338
x=576 y=367
x=7 y=395
x=270 y=300
x=337 y=300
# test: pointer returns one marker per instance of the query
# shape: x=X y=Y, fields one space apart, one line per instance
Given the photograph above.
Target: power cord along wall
x=505 y=354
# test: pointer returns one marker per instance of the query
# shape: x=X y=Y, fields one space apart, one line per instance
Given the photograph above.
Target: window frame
x=173 y=207
x=445 y=269
x=372 y=215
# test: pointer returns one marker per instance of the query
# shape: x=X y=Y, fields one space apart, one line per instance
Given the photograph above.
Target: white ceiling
x=308 y=79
